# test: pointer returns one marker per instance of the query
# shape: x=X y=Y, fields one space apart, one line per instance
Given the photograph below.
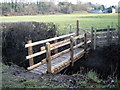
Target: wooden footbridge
x=78 y=46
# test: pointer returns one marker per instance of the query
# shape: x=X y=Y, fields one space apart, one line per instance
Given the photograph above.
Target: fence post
x=70 y=31
x=95 y=37
x=48 y=57
x=56 y=50
x=108 y=35
x=30 y=52
x=71 y=50
x=92 y=37
x=77 y=32
x=118 y=31
x=85 y=42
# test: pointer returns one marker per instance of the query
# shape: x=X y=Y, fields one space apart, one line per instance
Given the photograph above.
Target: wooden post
x=70 y=31
x=77 y=32
x=71 y=50
x=85 y=42
x=56 y=50
x=48 y=57
x=95 y=37
x=112 y=25
x=118 y=31
x=108 y=35
x=30 y=52
x=92 y=37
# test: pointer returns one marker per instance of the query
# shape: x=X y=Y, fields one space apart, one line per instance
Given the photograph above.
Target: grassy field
x=64 y=20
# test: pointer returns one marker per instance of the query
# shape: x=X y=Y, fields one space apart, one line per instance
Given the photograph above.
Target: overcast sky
x=104 y=2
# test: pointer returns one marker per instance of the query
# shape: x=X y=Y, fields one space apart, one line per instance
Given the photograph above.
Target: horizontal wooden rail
x=56 y=44
x=35 y=54
x=105 y=30
x=54 y=47
x=79 y=37
x=42 y=52
x=48 y=40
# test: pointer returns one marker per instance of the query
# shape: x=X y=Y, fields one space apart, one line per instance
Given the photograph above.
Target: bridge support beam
x=30 y=52
x=72 y=51
x=48 y=57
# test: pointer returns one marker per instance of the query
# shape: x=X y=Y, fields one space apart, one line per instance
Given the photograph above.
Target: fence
x=104 y=37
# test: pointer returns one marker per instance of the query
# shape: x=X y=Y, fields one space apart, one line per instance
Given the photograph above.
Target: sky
x=104 y=2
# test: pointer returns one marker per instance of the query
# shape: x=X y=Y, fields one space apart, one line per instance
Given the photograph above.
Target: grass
x=64 y=20
x=10 y=80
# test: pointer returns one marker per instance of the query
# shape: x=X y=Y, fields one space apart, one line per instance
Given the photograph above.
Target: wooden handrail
x=56 y=44
x=48 y=40
x=62 y=43
x=42 y=52
x=55 y=56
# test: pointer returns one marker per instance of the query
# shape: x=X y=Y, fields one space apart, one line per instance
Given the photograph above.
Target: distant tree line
x=29 y=8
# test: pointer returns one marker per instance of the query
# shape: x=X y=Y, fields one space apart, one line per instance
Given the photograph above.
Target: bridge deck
x=59 y=63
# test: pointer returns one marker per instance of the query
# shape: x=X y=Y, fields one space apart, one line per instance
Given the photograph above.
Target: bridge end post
x=70 y=30
x=71 y=51
x=77 y=31
x=108 y=35
x=30 y=52
x=95 y=37
x=85 y=42
x=48 y=57
x=92 y=28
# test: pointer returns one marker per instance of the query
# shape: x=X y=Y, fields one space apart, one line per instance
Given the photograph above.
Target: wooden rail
x=103 y=36
x=49 y=47
x=69 y=39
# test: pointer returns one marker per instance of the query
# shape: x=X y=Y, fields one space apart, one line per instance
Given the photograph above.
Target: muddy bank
x=105 y=61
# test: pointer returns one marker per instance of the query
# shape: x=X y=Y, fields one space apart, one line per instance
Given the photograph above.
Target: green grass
x=64 y=20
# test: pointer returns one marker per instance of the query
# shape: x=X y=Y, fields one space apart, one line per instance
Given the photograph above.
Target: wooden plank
x=105 y=30
x=48 y=40
x=35 y=54
x=71 y=50
x=79 y=55
x=30 y=51
x=57 y=68
x=78 y=45
x=44 y=60
x=48 y=57
x=60 y=53
x=56 y=44
x=37 y=65
x=79 y=37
